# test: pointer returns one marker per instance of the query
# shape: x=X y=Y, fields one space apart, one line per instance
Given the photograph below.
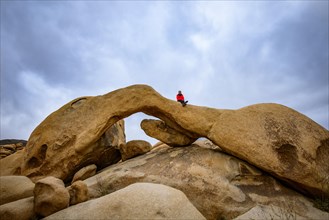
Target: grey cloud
x=270 y=52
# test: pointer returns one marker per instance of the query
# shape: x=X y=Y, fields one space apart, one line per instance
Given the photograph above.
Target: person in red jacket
x=180 y=98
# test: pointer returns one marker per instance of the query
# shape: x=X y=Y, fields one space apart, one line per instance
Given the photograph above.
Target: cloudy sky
x=222 y=54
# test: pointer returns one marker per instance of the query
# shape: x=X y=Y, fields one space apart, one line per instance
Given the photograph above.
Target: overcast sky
x=222 y=54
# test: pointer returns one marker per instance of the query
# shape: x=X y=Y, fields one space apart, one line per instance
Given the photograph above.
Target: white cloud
x=201 y=42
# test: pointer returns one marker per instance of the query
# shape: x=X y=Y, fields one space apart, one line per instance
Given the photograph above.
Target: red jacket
x=180 y=97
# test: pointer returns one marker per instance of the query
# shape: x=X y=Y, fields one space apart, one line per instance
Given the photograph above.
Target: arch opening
x=133 y=129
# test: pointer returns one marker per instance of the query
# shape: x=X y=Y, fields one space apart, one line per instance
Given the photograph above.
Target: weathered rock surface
x=159 y=130
x=10 y=146
x=50 y=196
x=280 y=141
x=6 y=150
x=78 y=192
x=18 y=210
x=11 y=165
x=261 y=212
x=137 y=201
x=50 y=152
x=85 y=173
x=273 y=137
x=13 y=188
x=134 y=148
x=218 y=185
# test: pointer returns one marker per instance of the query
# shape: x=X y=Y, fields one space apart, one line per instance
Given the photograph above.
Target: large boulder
x=11 y=165
x=161 y=131
x=49 y=152
x=137 y=201
x=22 y=209
x=279 y=140
x=13 y=188
x=85 y=173
x=220 y=186
x=272 y=137
x=50 y=196
x=78 y=192
x=134 y=148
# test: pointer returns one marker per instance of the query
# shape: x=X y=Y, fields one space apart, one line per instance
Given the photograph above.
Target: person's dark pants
x=182 y=102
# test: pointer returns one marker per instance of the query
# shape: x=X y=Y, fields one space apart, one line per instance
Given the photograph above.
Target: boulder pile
x=8 y=147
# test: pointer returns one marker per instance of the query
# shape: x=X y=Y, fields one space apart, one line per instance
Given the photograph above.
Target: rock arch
x=252 y=133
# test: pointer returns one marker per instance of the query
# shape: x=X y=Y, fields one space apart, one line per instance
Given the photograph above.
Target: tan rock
x=4 y=153
x=13 y=188
x=272 y=137
x=11 y=165
x=8 y=147
x=279 y=140
x=261 y=212
x=137 y=201
x=50 y=153
x=157 y=144
x=85 y=173
x=220 y=186
x=78 y=192
x=161 y=131
x=18 y=210
x=134 y=148
x=11 y=147
x=50 y=196
x=205 y=143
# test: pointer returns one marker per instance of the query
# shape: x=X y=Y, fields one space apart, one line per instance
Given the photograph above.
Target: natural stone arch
x=254 y=133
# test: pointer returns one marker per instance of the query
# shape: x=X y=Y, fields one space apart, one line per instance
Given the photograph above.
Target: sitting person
x=180 y=98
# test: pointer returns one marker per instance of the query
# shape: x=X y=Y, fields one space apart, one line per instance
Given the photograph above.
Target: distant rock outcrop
x=10 y=146
x=272 y=137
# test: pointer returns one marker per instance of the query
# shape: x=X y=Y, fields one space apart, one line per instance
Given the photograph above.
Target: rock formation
x=261 y=212
x=161 y=131
x=22 y=209
x=220 y=186
x=146 y=201
x=134 y=148
x=273 y=137
x=78 y=192
x=50 y=150
x=217 y=185
x=85 y=173
x=11 y=165
x=13 y=188
x=50 y=196
x=10 y=146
